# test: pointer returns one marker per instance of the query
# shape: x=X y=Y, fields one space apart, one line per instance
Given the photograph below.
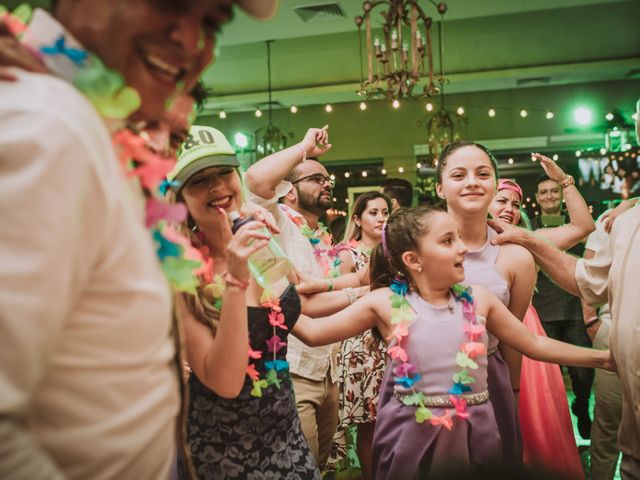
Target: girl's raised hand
x=551 y=168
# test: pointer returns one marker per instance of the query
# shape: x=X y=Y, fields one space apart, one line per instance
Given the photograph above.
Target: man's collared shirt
x=87 y=384
x=612 y=275
x=308 y=362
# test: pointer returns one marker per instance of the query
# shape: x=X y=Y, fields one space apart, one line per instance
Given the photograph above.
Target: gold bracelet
x=567 y=182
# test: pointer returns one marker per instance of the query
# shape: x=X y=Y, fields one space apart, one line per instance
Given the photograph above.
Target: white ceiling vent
x=533 y=81
x=320 y=12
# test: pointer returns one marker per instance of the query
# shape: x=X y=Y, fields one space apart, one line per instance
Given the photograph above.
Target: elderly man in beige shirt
x=611 y=275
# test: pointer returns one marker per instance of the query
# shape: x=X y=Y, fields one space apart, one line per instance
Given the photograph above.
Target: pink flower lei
x=402 y=315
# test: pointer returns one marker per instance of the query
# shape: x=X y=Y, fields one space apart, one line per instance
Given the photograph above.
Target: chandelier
x=403 y=56
x=443 y=127
x=269 y=139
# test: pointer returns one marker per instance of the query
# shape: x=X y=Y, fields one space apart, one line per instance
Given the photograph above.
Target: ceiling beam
x=559 y=74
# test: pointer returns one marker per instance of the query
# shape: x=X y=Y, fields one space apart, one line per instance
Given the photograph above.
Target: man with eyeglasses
x=304 y=189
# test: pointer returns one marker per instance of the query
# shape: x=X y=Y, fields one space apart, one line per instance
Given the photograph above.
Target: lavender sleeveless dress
x=480 y=269
x=405 y=449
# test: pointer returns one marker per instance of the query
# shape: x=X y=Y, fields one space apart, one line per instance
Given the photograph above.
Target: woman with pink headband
x=547 y=431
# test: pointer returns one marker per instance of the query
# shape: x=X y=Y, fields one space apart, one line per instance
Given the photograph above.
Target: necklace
x=114 y=100
x=274 y=344
x=402 y=315
x=321 y=242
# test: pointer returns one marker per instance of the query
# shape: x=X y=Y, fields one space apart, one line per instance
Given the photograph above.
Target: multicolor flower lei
x=16 y=21
x=274 y=344
x=402 y=315
x=107 y=91
x=321 y=241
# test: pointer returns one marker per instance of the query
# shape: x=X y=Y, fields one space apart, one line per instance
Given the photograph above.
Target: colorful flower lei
x=182 y=263
x=274 y=344
x=113 y=99
x=321 y=242
x=402 y=315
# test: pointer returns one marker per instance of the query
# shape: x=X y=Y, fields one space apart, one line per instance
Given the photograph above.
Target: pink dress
x=545 y=422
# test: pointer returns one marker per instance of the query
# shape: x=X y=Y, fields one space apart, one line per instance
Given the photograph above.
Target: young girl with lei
x=435 y=413
x=549 y=443
x=242 y=420
x=466 y=177
x=362 y=359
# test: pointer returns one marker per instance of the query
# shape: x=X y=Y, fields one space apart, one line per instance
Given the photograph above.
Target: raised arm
x=263 y=177
x=559 y=266
x=372 y=310
x=580 y=221
x=505 y=326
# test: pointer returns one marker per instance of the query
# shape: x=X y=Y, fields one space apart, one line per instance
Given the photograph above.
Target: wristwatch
x=567 y=182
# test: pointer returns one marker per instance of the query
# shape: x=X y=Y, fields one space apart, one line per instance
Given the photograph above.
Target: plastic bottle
x=269 y=265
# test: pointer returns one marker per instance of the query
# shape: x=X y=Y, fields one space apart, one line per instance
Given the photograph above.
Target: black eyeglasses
x=318 y=178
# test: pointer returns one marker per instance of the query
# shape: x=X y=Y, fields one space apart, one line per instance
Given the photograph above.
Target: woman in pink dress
x=545 y=422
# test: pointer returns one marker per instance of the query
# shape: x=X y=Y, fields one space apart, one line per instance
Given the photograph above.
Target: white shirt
x=87 y=384
x=308 y=362
x=612 y=274
x=595 y=241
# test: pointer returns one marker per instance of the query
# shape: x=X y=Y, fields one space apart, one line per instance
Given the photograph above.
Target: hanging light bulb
x=524 y=113
x=363 y=106
x=222 y=114
x=492 y=112
x=328 y=108
x=460 y=111
x=549 y=115
x=429 y=107
x=396 y=103
x=293 y=109
x=258 y=113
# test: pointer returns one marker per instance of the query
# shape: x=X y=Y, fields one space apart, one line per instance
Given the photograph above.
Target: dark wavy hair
x=353 y=231
x=402 y=233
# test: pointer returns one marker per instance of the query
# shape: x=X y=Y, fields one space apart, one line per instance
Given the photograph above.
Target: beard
x=316 y=204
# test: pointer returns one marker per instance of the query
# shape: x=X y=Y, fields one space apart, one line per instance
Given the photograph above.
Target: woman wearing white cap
x=242 y=419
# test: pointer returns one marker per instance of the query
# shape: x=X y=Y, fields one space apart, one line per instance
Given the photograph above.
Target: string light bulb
x=328 y=108
x=258 y=113
x=492 y=112
x=460 y=111
x=222 y=114
x=293 y=109
x=395 y=104
x=429 y=107
x=363 y=106
x=524 y=113
x=549 y=115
